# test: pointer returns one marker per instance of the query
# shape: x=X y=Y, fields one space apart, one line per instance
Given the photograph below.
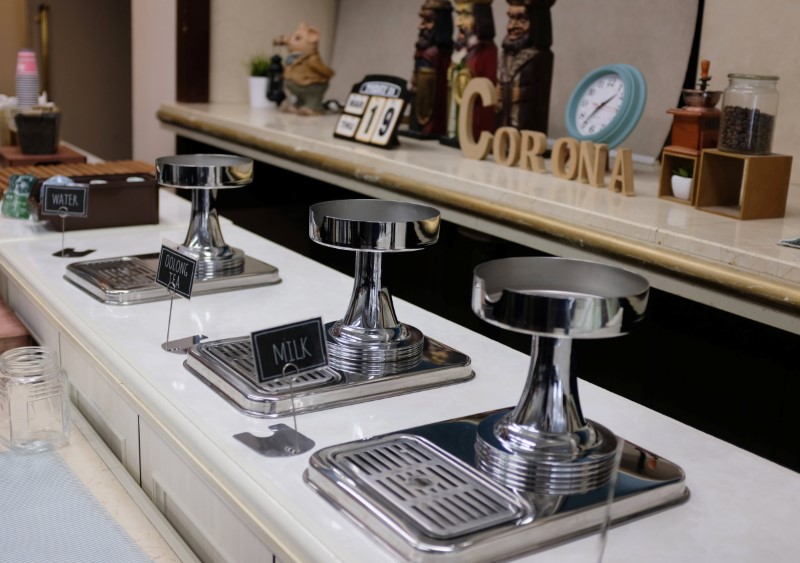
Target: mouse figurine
x=305 y=76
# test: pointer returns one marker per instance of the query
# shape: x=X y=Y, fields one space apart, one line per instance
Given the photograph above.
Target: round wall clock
x=606 y=104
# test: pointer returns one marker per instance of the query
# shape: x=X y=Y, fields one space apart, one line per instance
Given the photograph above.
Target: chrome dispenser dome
x=204 y=174
x=369 y=338
x=545 y=445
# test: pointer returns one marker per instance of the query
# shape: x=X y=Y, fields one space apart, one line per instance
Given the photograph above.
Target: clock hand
x=599 y=107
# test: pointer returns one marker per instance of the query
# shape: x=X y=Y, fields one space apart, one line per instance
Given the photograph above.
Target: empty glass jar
x=34 y=403
x=749 y=108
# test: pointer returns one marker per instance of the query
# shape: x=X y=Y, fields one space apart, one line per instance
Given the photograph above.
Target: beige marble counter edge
x=773 y=293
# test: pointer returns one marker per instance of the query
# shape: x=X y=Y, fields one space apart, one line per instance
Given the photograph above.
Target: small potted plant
x=681 y=182
x=257 y=66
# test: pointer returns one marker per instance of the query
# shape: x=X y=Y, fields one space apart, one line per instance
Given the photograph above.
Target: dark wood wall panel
x=193 y=50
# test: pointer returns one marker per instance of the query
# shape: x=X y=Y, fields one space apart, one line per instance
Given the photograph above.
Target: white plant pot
x=681 y=186
x=258 y=92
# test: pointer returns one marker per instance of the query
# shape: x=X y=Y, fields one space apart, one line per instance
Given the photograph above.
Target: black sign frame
x=263 y=342
x=79 y=210
x=180 y=278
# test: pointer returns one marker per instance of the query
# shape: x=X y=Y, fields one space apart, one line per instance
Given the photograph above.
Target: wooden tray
x=78 y=169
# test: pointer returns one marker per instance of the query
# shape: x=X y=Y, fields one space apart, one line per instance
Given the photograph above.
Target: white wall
x=744 y=36
x=153 y=37
x=239 y=29
x=243 y=28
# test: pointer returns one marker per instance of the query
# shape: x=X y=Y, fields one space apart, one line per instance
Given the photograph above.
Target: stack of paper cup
x=27 y=80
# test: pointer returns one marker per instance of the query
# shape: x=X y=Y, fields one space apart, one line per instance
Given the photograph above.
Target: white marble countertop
x=743 y=507
x=679 y=245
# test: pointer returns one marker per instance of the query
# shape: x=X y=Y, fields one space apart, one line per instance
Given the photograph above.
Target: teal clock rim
x=629 y=115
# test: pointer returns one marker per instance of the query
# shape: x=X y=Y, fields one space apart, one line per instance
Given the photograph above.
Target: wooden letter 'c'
x=476 y=87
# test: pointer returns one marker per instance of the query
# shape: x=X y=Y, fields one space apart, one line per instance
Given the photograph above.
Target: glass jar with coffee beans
x=749 y=107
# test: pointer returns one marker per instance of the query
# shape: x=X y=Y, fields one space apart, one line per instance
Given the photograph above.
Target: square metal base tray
x=131 y=279
x=419 y=494
x=227 y=367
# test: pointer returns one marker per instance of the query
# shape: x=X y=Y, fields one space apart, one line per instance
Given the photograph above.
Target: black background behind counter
x=731 y=377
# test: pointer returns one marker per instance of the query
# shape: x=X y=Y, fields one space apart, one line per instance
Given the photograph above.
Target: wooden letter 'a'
x=622 y=173
x=476 y=88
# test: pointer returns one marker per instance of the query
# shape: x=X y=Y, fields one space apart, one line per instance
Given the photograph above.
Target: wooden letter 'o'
x=506 y=146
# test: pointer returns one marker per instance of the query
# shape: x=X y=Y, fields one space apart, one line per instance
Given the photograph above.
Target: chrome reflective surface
x=558 y=297
x=204 y=171
x=204 y=237
x=369 y=339
x=374 y=225
x=131 y=279
x=379 y=483
x=227 y=366
x=284 y=442
x=432 y=490
x=544 y=445
x=204 y=174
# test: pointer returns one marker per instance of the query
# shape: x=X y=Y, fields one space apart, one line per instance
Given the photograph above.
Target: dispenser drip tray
x=419 y=492
x=131 y=279
x=227 y=366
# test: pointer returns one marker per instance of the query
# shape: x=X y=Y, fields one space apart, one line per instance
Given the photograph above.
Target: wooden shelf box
x=672 y=158
x=743 y=186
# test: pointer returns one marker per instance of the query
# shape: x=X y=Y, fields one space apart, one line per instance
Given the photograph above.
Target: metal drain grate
x=237 y=355
x=428 y=488
x=120 y=273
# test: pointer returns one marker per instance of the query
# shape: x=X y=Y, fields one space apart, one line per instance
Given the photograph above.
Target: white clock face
x=599 y=104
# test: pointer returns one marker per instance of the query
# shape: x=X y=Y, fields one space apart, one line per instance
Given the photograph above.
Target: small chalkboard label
x=300 y=344
x=66 y=201
x=176 y=271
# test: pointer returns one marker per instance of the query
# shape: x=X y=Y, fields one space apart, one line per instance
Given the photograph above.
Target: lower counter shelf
x=88 y=476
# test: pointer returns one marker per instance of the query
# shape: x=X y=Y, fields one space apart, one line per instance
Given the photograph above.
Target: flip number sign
x=176 y=271
x=372 y=111
x=290 y=349
x=66 y=200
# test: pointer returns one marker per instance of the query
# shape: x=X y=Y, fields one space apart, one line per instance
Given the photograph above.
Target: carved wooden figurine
x=526 y=66
x=475 y=55
x=434 y=48
x=305 y=75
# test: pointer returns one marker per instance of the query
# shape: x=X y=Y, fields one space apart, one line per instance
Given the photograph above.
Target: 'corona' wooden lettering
x=571 y=159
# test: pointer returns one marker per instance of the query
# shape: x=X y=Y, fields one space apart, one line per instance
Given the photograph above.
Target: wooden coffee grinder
x=695 y=127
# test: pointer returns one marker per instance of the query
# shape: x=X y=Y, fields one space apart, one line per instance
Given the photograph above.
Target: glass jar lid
x=736 y=76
